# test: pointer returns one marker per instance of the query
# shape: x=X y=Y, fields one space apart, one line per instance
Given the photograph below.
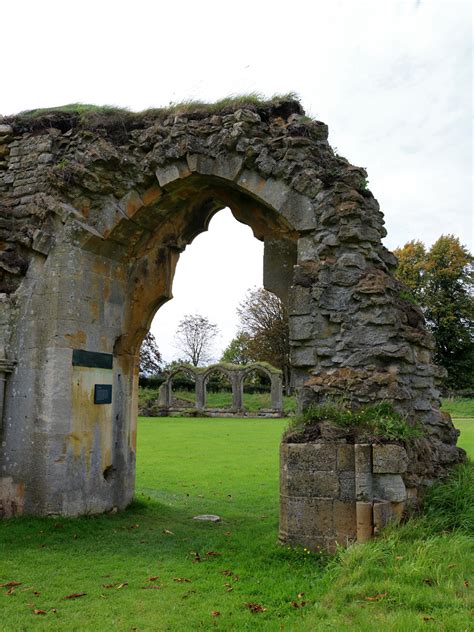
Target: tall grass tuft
x=449 y=504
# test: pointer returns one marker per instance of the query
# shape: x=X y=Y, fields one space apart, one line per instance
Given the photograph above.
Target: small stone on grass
x=207 y=518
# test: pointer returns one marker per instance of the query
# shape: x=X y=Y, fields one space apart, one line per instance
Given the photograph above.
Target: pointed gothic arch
x=93 y=241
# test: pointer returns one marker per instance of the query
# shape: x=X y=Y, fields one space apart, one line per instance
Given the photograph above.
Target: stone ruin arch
x=94 y=212
x=235 y=374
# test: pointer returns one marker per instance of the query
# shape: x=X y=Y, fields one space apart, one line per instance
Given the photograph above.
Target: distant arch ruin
x=95 y=209
x=236 y=375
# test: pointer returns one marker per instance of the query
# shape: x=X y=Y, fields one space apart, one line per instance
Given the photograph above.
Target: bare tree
x=150 y=357
x=195 y=336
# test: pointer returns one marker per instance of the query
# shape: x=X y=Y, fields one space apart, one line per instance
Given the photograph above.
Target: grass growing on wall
x=153 y=568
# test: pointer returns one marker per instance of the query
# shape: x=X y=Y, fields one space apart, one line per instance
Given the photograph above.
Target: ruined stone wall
x=337 y=493
x=94 y=211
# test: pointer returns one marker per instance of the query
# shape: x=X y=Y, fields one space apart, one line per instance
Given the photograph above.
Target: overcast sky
x=392 y=79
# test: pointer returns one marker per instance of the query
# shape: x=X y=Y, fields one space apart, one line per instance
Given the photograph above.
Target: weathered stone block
x=345 y=457
x=389 y=459
x=306 y=249
x=299 y=300
x=382 y=515
x=364 y=517
x=131 y=203
x=347 y=488
x=226 y=166
x=273 y=192
x=302 y=356
x=309 y=456
x=310 y=484
x=6 y=130
x=175 y=171
x=309 y=516
x=345 y=522
x=363 y=486
x=299 y=211
x=389 y=487
x=363 y=457
x=301 y=327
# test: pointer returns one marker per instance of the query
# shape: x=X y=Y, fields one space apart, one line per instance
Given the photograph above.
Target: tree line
x=439 y=280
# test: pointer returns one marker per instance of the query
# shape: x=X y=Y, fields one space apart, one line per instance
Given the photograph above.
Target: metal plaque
x=102 y=393
x=92 y=359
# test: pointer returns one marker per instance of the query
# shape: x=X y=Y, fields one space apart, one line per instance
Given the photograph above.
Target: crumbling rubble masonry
x=95 y=209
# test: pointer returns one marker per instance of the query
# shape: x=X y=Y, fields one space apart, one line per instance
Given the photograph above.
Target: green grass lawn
x=139 y=569
x=459 y=406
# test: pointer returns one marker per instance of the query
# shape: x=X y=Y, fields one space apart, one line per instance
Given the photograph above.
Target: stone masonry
x=95 y=209
x=336 y=493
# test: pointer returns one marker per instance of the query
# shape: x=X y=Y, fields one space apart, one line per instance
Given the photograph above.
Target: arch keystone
x=224 y=166
x=175 y=171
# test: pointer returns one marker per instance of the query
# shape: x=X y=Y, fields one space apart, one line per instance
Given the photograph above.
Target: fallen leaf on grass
x=120 y=586
x=376 y=597
x=182 y=580
x=37 y=611
x=229 y=587
x=151 y=587
x=215 y=613
x=188 y=594
x=153 y=578
x=255 y=607
x=300 y=595
x=428 y=618
x=295 y=604
x=466 y=583
x=197 y=557
x=10 y=584
x=213 y=554
x=227 y=573
x=167 y=532
x=428 y=581
x=134 y=526
x=75 y=596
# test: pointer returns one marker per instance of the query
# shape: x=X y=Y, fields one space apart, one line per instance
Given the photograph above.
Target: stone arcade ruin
x=95 y=210
x=235 y=375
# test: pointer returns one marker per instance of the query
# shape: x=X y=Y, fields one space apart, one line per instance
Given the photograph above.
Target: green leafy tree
x=263 y=334
x=237 y=351
x=441 y=281
x=150 y=356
